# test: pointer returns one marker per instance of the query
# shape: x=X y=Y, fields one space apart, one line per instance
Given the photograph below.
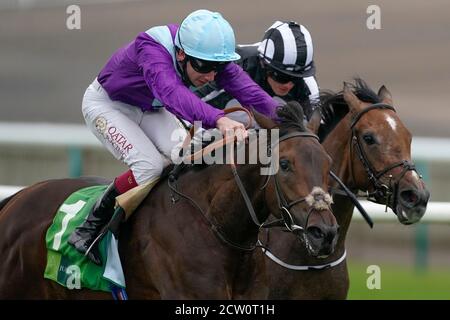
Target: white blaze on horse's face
x=392 y=123
x=415 y=176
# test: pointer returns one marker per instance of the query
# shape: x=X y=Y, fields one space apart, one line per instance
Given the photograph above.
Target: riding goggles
x=204 y=66
x=279 y=76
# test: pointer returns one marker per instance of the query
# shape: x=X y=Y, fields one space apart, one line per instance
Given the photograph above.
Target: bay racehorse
x=371 y=152
x=196 y=247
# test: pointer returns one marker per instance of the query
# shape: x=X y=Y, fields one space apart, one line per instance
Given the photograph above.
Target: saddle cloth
x=65 y=264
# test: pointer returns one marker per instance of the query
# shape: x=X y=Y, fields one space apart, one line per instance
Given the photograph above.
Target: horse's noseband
x=389 y=191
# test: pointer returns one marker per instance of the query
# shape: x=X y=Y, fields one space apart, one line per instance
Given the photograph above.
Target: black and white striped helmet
x=287 y=47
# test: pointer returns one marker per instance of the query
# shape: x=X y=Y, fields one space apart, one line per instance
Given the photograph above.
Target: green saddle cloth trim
x=65 y=264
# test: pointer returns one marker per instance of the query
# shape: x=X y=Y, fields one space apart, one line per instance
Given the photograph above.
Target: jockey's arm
x=238 y=83
x=167 y=86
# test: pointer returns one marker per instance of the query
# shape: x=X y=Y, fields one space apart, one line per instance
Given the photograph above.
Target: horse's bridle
x=283 y=205
x=381 y=190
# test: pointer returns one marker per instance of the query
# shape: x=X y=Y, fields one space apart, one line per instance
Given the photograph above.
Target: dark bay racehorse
x=170 y=250
x=370 y=148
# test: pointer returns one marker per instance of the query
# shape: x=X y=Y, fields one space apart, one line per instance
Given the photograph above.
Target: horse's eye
x=284 y=164
x=369 y=139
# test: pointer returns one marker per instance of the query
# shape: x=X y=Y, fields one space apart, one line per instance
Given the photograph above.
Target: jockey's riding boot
x=84 y=236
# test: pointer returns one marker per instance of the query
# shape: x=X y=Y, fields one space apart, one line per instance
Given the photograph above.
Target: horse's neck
x=337 y=145
x=227 y=207
x=343 y=210
x=214 y=190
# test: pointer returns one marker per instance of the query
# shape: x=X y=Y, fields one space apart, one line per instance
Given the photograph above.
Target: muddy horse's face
x=381 y=146
x=297 y=192
x=303 y=174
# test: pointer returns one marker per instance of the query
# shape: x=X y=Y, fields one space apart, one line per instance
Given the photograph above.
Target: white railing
x=77 y=135
x=6 y=191
x=430 y=149
x=437 y=212
x=47 y=134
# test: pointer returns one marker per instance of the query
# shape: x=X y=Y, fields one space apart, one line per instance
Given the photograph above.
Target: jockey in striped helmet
x=287 y=49
x=282 y=64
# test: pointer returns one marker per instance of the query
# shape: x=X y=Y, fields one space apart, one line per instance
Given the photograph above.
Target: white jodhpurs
x=144 y=141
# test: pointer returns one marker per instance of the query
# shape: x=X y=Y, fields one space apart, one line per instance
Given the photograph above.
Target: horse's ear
x=263 y=121
x=385 y=95
x=314 y=122
x=352 y=100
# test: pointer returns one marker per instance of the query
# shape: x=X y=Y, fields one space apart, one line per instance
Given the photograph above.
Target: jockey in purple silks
x=132 y=105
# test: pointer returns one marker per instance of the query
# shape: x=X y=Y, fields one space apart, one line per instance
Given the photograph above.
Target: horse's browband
x=372 y=107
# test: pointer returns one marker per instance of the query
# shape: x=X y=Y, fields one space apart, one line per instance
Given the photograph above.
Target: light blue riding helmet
x=208 y=36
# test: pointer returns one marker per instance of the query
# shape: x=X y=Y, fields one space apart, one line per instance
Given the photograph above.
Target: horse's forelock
x=291 y=117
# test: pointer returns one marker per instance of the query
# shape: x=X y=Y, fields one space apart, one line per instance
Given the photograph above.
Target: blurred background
x=45 y=69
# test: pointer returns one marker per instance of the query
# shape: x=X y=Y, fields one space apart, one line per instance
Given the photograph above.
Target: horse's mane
x=334 y=108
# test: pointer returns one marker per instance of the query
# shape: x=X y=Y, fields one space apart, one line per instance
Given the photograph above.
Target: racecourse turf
x=399 y=283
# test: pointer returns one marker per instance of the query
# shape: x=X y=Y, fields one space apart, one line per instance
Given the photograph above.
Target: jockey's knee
x=145 y=171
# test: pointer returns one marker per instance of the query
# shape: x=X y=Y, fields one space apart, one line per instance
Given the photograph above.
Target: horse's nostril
x=315 y=232
x=410 y=197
